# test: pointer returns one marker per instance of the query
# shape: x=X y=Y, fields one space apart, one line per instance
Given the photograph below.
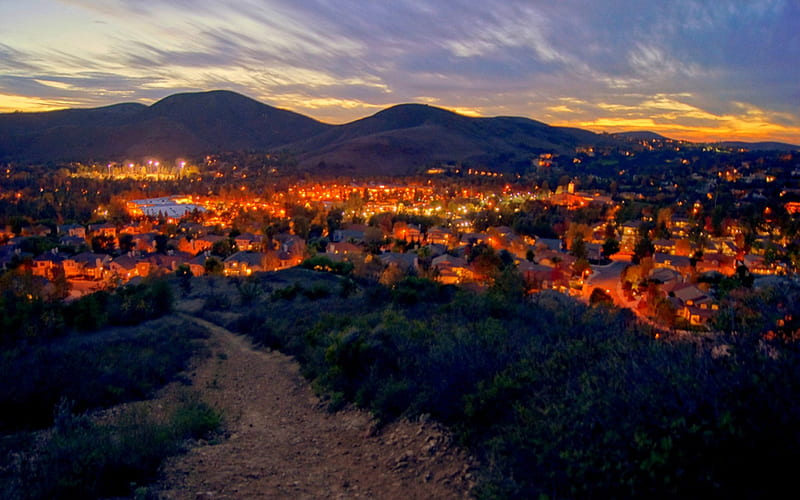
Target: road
x=606 y=277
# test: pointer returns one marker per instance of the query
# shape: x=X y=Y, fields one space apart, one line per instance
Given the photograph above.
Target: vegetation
x=83 y=459
x=558 y=399
x=62 y=362
x=30 y=312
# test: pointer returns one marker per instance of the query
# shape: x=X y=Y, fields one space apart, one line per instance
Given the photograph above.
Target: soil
x=281 y=442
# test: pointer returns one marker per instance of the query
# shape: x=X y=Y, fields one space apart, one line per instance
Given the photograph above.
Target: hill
x=398 y=140
x=640 y=135
x=402 y=139
x=759 y=146
x=178 y=125
x=406 y=137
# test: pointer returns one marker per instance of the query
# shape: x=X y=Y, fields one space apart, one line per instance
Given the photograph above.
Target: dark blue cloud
x=566 y=60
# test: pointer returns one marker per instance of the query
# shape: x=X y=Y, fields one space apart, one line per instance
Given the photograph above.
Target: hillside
x=178 y=125
x=759 y=146
x=402 y=139
x=405 y=137
x=398 y=140
x=283 y=443
x=641 y=135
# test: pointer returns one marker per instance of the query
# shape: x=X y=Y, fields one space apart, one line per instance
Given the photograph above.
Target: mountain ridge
x=400 y=139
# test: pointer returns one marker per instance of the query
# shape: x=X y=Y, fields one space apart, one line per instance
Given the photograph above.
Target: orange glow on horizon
x=659 y=115
x=732 y=129
x=14 y=103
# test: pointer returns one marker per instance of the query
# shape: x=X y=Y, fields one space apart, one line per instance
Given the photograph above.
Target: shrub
x=83 y=459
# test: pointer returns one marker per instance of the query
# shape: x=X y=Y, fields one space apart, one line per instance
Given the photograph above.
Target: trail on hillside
x=282 y=443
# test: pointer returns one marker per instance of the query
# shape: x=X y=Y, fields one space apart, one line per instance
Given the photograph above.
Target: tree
x=126 y=243
x=334 y=220
x=301 y=226
x=610 y=247
x=643 y=248
x=213 y=266
x=223 y=248
x=581 y=266
x=578 y=247
x=103 y=243
x=161 y=241
x=184 y=274
x=600 y=297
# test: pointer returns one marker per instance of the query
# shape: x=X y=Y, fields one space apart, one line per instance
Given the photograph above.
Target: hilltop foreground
x=282 y=443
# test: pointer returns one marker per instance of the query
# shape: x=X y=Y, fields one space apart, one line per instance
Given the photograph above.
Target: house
x=728 y=248
x=473 y=238
x=343 y=250
x=197 y=245
x=440 y=235
x=679 y=226
x=73 y=230
x=451 y=270
x=675 y=262
x=167 y=262
x=248 y=241
x=537 y=276
x=197 y=264
x=48 y=264
x=351 y=232
x=666 y=276
x=75 y=242
x=124 y=266
x=756 y=264
x=691 y=303
x=664 y=246
x=105 y=229
x=407 y=232
x=145 y=243
x=406 y=262
x=292 y=250
x=553 y=244
x=86 y=265
x=36 y=230
x=245 y=263
x=594 y=252
x=716 y=262
x=630 y=235
x=204 y=243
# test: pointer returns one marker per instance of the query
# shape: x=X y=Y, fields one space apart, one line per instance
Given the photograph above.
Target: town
x=664 y=228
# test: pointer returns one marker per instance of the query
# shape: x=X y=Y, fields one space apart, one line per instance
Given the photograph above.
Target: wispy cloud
x=684 y=63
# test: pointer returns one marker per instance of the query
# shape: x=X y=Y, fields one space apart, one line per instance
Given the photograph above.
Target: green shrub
x=93 y=371
x=82 y=459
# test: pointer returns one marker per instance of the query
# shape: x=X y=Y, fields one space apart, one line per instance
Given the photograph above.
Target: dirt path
x=282 y=443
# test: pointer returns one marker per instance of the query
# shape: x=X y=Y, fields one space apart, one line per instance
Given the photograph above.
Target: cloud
x=680 y=62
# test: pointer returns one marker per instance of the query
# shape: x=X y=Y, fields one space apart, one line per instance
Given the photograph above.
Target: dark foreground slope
x=555 y=398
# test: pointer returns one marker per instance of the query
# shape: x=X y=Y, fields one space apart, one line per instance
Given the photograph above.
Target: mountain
x=178 y=125
x=759 y=146
x=398 y=140
x=401 y=139
x=640 y=135
x=405 y=137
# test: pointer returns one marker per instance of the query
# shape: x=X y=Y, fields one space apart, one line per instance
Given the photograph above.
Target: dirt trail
x=282 y=443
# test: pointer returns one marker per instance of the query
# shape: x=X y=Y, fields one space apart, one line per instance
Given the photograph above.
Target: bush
x=557 y=399
x=82 y=459
x=93 y=371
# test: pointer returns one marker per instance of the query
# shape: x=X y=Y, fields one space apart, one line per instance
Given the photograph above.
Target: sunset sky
x=688 y=69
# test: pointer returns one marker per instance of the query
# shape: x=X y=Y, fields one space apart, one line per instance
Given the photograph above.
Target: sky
x=701 y=70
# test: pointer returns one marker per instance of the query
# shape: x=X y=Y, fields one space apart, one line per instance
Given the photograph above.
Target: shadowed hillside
x=404 y=138
x=399 y=140
x=179 y=125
